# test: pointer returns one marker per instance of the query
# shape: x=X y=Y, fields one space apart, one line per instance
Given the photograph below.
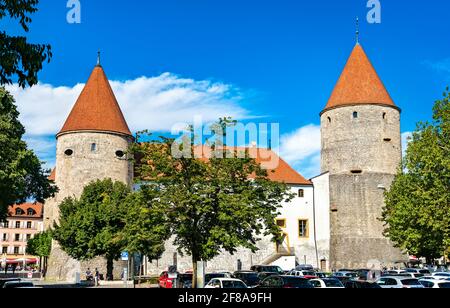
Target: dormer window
x=19 y=212
x=31 y=212
x=301 y=193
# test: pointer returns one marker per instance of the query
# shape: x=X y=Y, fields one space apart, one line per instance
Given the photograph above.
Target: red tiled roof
x=278 y=169
x=97 y=108
x=359 y=84
x=37 y=207
x=52 y=176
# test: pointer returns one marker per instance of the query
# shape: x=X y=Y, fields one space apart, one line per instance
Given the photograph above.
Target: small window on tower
x=120 y=154
x=329 y=120
x=93 y=147
x=68 y=152
x=384 y=116
x=355 y=115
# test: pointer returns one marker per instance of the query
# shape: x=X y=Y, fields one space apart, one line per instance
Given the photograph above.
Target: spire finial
x=357 y=30
x=98 y=58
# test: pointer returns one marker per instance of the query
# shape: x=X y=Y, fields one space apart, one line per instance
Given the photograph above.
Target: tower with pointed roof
x=91 y=146
x=361 y=152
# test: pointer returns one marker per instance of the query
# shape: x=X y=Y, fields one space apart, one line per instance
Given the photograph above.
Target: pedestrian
x=97 y=277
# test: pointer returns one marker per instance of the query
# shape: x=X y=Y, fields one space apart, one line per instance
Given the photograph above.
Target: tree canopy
x=21 y=174
x=418 y=203
x=40 y=245
x=215 y=204
x=18 y=57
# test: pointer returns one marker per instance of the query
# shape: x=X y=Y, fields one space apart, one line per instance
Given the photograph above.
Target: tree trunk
x=194 y=273
x=109 y=269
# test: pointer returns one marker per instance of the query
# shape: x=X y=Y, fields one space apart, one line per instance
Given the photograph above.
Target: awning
x=22 y=260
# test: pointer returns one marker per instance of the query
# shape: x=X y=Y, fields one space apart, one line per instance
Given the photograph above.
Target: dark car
x=285 y=282
x=267 y=269
x=360 y=284
x=264 y=275
x=251 y=279
x=17 y=285
x=184 y=281
x=5 y=280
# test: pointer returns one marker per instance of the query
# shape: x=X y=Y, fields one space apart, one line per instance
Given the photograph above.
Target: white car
x=441 y=275
x=435 y=284
x=327 y=283
x=392 y=282
x=226 y=283
x=302 y=273
x=396 y=272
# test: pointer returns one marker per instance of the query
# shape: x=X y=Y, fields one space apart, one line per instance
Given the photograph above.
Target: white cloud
x=301 y=149
x=155 y=103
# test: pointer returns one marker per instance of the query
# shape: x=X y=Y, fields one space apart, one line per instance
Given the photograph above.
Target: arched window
x=384 y=116
x=301 y=193
x=329 y=120
x=355 y=115
x=120 y=154
x=93 y=147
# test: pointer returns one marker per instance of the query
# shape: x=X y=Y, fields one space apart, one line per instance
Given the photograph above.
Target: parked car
x=304 y=267
x=18 y=284
x=348 y=274
x=361 y=284
x=399 y=283
x=226 y=283
x=327 y=283
x=184 y=281
x=441 y=275
x=211 y=276
x=321 y=275
x=435 y=284
x=164 y=281
x=304 y=274
x=264 y=275
x=251 y=279
x=394 y=272
x=5 y=280
x=425 y=272
x=285 y=282
x=267 y=269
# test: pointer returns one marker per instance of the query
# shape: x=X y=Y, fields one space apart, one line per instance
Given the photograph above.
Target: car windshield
x=411 y=282
x=445 y=285
x=273 y=269
x=296 y=282
x=232 y=284
x=209 y=277
x=333 y=283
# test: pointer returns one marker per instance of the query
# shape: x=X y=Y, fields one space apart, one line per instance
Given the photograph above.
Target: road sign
x=124 y=256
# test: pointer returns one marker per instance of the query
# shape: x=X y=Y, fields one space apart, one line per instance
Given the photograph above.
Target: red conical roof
x=97 y=108
x=359 y=84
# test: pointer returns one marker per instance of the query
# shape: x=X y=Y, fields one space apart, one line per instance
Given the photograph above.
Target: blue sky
x=272 y=61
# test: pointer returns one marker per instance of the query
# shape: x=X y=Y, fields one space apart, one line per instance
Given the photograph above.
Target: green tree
x=146 y=228
x=91 y=226
x=21 y=174
x=212 y=205
x=40 y=246
x=18 y=57
x=418 y=203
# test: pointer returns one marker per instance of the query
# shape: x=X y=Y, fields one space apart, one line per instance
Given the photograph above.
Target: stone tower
x=361 y=151
x=90 y=146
